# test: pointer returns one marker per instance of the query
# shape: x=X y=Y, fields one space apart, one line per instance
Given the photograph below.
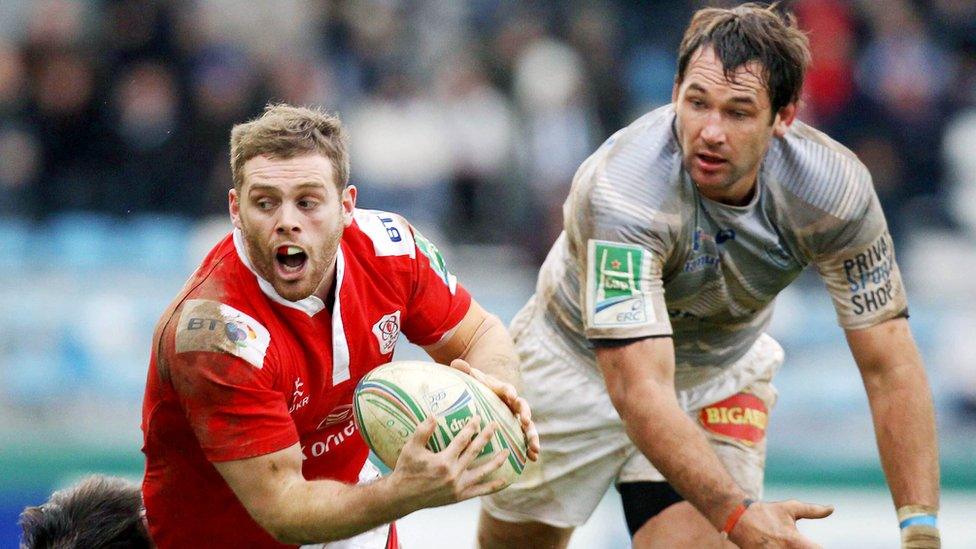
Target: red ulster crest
x=742 y=417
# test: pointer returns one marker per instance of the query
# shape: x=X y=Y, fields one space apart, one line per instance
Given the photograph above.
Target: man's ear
x=348 y=199
x=785 y=117
x=674 y=91
x=234 y=206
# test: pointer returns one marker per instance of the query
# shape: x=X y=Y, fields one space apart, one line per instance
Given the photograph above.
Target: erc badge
x=614 y=286
x=387 y=330
x=739 y=418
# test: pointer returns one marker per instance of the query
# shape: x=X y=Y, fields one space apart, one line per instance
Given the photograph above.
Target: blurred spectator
x=399 y=143
x=139 y=29
x=481 y=131
x=19 y=165
x=58 y=23
x=960 y=156
x=594 y=33
x=905 y=72
x=223 y=89
x=829 y=84
x=151 y=146
x=67 y=119
x=302 y=79
x=13 y=81
x=957 y=18
x=559 y=128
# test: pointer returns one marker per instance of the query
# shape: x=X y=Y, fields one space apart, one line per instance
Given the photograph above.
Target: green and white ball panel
x=393 y=399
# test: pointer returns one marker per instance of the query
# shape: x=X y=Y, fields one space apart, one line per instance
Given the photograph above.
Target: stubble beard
x=315 y=269
x=734 y=175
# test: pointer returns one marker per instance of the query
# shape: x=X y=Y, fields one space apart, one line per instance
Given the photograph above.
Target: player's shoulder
x=820 y=172
x=390 y=241
x=385 y=234
x=641 y=153
x=210 y=325
x=634 y=174
x=215 y=311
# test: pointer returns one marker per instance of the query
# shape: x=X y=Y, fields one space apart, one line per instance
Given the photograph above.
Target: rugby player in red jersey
x=247 y=418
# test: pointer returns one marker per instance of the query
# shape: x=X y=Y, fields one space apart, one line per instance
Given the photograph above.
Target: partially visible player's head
x=97 y=513
x=740 y=74
x=291 y=198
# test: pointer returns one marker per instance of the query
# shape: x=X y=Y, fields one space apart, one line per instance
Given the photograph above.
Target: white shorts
x=585 y=448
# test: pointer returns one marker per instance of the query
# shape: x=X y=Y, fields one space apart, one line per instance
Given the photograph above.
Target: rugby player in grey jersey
x=644 y=350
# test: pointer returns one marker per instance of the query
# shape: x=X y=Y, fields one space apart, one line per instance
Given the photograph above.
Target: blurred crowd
x=470 y=115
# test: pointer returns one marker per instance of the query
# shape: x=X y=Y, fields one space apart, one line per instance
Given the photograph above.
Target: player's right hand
x=773 y=524
x=429 y=479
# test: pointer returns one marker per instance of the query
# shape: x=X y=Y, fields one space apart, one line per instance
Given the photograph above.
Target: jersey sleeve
x=619 y=248
x=856 y=260
x=436 y=303
x=224 y=382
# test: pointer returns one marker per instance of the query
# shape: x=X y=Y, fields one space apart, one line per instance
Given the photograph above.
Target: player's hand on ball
x=430 y=479
x=773 y=524
x=518 y=405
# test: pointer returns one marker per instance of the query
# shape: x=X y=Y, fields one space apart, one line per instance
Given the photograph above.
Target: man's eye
x=697 y=103
x=307 y=204
x=265 y=204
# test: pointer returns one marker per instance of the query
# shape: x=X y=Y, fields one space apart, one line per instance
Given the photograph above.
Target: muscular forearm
x=901 y=406
x=295 y=510
x=677 y=448
x=319 y=511
x=904 y=423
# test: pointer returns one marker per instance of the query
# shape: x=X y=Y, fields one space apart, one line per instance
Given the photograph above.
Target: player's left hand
x=518 y=405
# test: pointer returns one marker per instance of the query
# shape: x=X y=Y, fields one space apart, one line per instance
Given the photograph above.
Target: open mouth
x=290 y=259
x=709 y=163
x=710 y=159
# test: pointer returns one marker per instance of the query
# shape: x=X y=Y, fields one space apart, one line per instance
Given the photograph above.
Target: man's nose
x=713 y=133
x=288 y=219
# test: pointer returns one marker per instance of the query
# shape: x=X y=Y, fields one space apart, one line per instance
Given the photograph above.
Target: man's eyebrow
x=746 y=99
x=264 y=187
x=741 y=99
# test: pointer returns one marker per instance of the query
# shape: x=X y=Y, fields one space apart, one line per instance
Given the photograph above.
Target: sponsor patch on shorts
x=211 y=326
x=615 y=292
x=742 y=418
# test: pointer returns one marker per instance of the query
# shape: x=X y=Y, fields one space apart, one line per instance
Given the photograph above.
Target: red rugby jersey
x=237 y=371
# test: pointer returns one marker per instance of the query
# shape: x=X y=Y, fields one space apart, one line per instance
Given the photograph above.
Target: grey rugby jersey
x=644 y=254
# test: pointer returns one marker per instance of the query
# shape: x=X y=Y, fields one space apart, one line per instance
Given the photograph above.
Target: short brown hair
x=98 y=512
x=285 y=131
x=752 y=32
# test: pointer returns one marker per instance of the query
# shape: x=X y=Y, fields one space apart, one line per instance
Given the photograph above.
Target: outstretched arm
x=640 y=381
x=904 y=419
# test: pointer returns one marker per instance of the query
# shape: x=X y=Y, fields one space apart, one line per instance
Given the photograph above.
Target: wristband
x=919 y=528
x=735 y=516
x=917 y=515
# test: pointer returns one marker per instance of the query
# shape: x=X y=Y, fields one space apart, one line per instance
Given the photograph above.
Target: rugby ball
x=392 y=400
